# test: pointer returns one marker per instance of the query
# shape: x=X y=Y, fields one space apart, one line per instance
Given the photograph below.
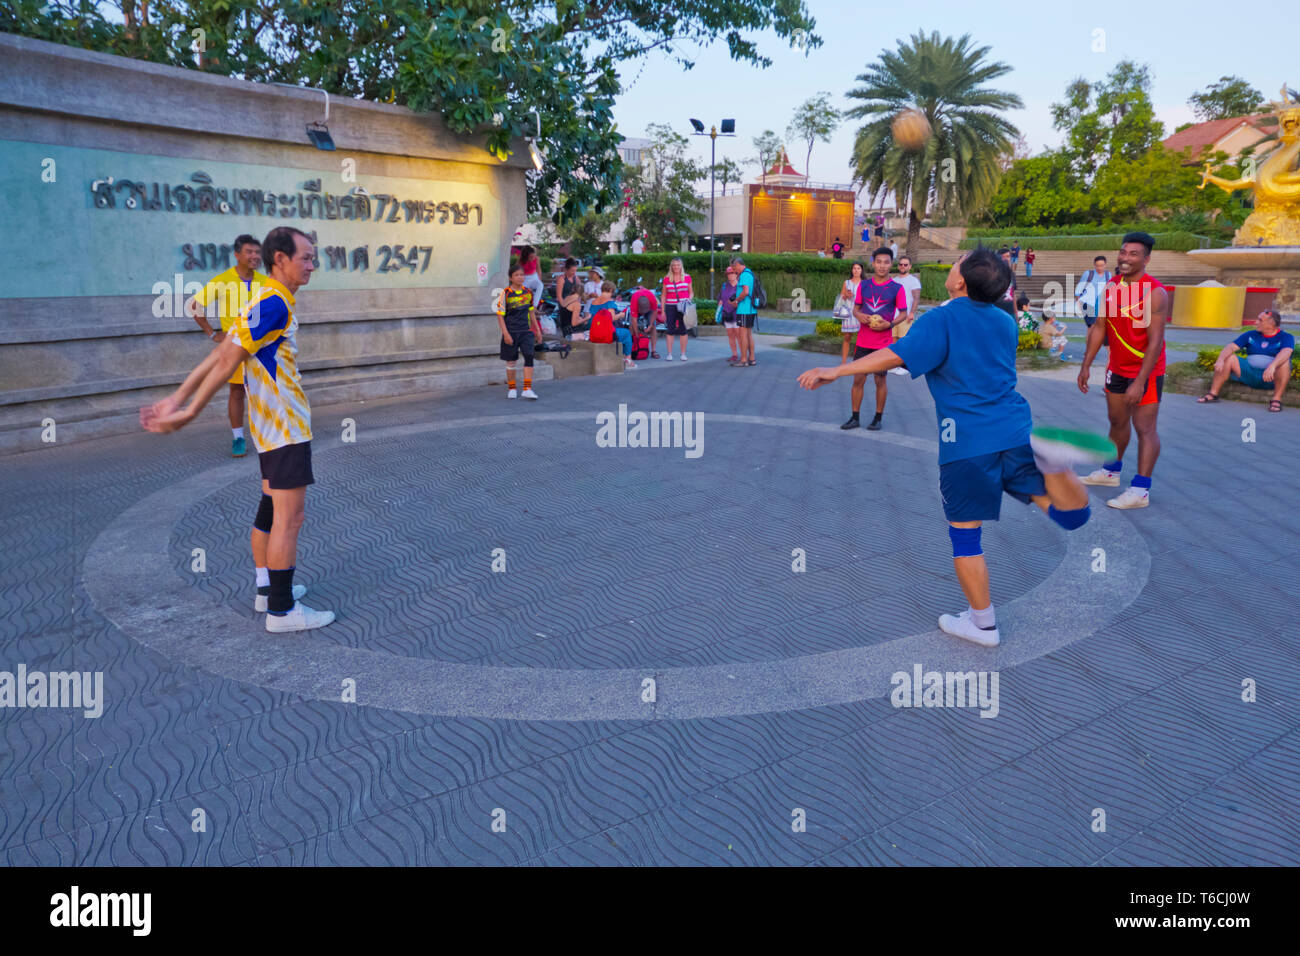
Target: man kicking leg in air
x=262 y=339
x=1133 y=331
x=967 y=353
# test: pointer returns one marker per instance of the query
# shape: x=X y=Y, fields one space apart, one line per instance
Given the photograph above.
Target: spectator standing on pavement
x=911 y=283
x=227 y=295
x=837 y=248
x=893 y=248
x=1015 y=255
x=746 y=313
x=1029 y=261
x=638 y=246
x=1008 y=301
x=677 y=292
x=1089 y=294
x=849 y=324
x=532 y=273
x=727 y=313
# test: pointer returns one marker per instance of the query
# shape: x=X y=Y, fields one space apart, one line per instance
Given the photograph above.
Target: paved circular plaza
x=525 y=689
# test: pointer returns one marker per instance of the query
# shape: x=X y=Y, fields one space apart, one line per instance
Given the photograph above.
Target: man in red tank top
x=1133 y=331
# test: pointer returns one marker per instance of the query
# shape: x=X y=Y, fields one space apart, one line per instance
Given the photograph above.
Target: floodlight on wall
x=533 y=150
x=699 y=127
x=318 y=133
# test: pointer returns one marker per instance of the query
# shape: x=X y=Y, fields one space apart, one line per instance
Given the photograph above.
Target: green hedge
x=829 y=328
x=1028 y=342
x=1207 y=356
x=1171 y=241
x=653 y=265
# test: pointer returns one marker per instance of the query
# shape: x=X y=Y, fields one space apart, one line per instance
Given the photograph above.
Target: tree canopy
x=1230 y=96
x=1112 y=167
x=814 y=119
x=487 y=66
x=945 y=79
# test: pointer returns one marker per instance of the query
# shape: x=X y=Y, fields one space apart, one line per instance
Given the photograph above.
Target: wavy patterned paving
x=643 y=561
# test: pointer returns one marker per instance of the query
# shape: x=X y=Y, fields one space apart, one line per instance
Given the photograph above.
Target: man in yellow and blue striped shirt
x=262 y=340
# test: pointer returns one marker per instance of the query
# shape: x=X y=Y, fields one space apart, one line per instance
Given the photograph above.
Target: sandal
x=1274 y=405
x=1209 y=398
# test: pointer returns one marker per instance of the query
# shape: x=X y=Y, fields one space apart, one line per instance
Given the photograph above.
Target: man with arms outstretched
x=263 y=341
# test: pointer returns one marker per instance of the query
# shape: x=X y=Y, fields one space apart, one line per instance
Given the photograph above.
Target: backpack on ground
x=640 y=347
x=602 y=327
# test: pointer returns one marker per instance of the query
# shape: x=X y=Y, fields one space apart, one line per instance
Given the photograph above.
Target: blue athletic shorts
x=972 y=487
x=1254 y=377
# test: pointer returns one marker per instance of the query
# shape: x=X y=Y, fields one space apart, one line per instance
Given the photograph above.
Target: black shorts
x=745 y=320
x=288 y=466
x=1118 y=384
x=674 y=320
x=860 y=350
x=522 y=342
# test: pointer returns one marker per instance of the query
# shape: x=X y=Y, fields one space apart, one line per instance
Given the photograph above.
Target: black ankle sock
x=279 y=599
x=853 y=415
x=877 y=418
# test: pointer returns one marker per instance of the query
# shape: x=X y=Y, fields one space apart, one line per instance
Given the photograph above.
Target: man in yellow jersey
x=225 y=296
x=263 y=341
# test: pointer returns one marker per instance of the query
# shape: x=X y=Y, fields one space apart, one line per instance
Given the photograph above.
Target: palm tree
x=957 y=170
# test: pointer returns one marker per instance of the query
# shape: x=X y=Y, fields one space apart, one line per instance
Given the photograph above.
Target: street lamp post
x=728 y=129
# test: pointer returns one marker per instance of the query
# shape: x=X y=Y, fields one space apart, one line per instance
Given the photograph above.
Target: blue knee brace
x=1069 y=520
x=965 y=542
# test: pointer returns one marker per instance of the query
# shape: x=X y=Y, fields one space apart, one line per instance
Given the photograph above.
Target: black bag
x=759 y=293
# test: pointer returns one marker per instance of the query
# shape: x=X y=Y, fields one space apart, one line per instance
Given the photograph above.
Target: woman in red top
x=532 y=273
x=677 y=292
x=1029 y=261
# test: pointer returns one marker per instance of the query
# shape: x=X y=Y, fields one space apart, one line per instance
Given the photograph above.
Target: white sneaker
x=962 y=626
x=260 y=604
x=1101 y=476
x=529 y=393
x=628 y=363
x=513 y=393
x=898 y=371
x=1131 y=498
x=299 y=618
x=669 y=356
x=683 y=357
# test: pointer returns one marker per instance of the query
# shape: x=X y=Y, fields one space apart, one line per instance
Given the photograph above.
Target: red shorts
x=1118 y=384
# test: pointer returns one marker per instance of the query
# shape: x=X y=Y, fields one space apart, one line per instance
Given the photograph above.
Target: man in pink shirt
x=881 y=304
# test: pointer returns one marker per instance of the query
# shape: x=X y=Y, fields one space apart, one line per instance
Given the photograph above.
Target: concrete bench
x=586 y=358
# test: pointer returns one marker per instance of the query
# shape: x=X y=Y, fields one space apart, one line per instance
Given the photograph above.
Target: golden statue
x=1276 y=219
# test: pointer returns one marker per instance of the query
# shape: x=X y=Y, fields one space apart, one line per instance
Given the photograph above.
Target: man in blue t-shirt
x=1266 y=364
x=966 y=349
x=746 y=313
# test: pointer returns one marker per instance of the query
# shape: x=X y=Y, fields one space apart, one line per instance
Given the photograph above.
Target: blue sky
x=1188 y=45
